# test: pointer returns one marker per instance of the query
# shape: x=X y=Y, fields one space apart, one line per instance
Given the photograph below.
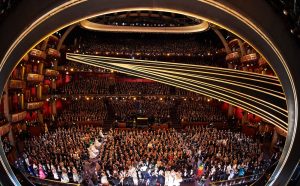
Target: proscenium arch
x=252 y=20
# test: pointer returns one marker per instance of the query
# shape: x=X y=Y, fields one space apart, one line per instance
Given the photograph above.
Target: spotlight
x=285 y=12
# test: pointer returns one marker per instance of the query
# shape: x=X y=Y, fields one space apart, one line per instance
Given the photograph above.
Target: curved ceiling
x=259 y=31
x=144 y=29
x=145 y=21
x=147 y=18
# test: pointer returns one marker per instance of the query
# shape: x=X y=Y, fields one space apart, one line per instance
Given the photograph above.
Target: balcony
x=35 y=77
x=249 y=58
x=232 y=56
x=4 y=129
x=37 y=54
x=53 y=53
x=18 y=116
x=17 y=84
x=51 y=73
x=35 y=105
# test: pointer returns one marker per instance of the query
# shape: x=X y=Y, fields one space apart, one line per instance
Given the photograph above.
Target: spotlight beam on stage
x=259 y=94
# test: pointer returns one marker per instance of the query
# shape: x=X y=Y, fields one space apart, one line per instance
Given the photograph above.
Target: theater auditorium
x=145 y=96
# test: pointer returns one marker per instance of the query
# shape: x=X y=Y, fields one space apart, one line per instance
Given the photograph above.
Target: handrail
x=23 y=179
x=49 y=182
x=28 y=179
x=236 y=181
x=265 y=176
x=254 y=179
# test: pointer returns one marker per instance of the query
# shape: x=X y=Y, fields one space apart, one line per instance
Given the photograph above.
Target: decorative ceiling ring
x=235 y=17
x=200 y=26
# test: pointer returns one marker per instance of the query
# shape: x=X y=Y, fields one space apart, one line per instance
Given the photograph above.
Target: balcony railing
x=232 y=56
x=246 y=180
x=54 y=53
x=49 y=182
x=51 y=73
x=37 y=53
x=18 y=116
x=249 y=58
x=17 y=84
x=35 y=105
x=35 y=77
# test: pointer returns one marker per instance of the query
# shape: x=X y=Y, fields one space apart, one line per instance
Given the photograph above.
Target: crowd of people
x=190 y=48
x=183 y=92
x=80 y=67
x=200 y=109
x=142 y=157
x=157 y=19
x=158 y=109
x=152 y=107
x=87 y=86
x=103 y=86
x=82 y=110
x=141 y=88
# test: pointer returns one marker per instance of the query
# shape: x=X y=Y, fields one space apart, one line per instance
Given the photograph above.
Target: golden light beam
x=92 y=61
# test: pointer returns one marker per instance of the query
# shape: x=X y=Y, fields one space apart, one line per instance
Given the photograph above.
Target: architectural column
x=230 y=65
x=23 y=70
x=62 y=39
x=245 y=117
x=7 y=114
x=41 y=68
x=39 y=91
x=242 y=48
x=45 y=43
x=223 y=40
x=6 y=103
x=22 y=101
x=53 y=107
x=53 y=84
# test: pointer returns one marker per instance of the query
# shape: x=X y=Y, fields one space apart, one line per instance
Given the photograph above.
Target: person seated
x=161 y=178
x=54 y=173
x=75 y=175
x=41 y=172
x=64 y=176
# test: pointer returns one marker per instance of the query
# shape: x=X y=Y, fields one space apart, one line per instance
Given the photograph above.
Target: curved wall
x=252 y=20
